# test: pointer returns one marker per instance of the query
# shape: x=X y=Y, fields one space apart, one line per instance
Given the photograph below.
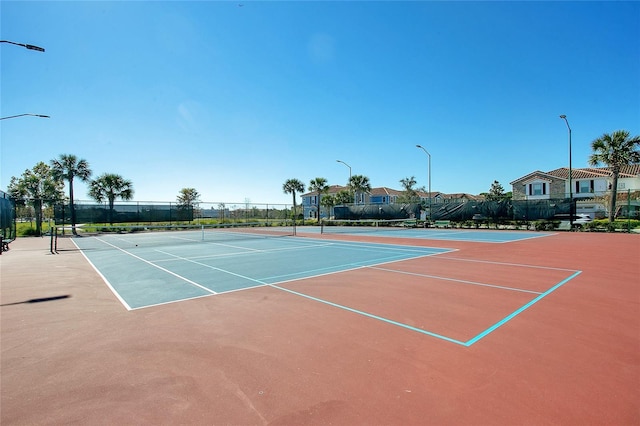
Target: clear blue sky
x=234 y=98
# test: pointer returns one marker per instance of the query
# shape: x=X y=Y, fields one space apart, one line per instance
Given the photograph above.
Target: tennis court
x=403 y=228
x=145 y=269
x=318 y=329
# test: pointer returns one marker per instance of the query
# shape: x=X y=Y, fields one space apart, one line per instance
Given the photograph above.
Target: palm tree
x=110 y=186
x=359 y=184
x=615 y=150
x=37 y=186
x=328 y=201
x=67 y=167
x=291 y=186
x=320 y=186
x=410 y=194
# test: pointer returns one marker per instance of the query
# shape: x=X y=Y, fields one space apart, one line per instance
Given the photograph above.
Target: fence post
x=629 y=211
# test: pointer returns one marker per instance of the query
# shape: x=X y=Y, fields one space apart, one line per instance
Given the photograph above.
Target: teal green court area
x=144 y=271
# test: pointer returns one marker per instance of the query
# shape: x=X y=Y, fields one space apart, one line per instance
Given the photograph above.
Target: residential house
x=378 y=196
x=589 y=186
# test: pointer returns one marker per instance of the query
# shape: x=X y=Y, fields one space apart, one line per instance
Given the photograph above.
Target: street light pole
x=340 y=161
x=564 y=117
x=427 y=152
x=22 y=115
x=26 y=46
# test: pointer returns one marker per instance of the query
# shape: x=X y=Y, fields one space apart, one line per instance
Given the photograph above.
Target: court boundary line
x=466 y=343
x=106 y=281
x=483 y=240
x=343 y=268
x=499 y=287
x=517 y=312
x=522 y=265
x=367 y=314
x=354 y=268
x=249 y=252
x=211 y=292
x=433 y=235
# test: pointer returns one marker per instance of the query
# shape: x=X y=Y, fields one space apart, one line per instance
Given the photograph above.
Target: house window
x=584 y=186
x=538 y=188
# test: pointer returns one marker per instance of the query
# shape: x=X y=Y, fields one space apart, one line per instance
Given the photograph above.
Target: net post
x=202 y=227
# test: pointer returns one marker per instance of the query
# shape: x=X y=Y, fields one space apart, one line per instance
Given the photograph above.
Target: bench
x=442 y=223
x=4 y=244
x=410 y=223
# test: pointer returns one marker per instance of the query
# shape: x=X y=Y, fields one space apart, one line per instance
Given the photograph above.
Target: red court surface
x=72 y=354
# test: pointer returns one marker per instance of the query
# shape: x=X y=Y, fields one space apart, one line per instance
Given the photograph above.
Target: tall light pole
x=26 y=46
x=564 y=117
x=427 y=152
x=340 y=161
x=22 y=115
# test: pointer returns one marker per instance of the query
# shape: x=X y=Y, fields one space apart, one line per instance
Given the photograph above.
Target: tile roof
x=583 y=173
x=382 y=190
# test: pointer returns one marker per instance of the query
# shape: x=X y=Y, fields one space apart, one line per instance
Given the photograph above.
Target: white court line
x=455 y=235
x=212 y=267
x=315 y=243
x=245 y=253
x=113 y=290
x=522 y=265
x=157 y=266
x=456 y=280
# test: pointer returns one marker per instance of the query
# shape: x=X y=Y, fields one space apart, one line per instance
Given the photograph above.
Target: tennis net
x=120 y=236
x=349 y=226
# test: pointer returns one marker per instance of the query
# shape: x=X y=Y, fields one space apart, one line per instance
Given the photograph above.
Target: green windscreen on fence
x=124 y=237
x=507 y=209
x=7 y=216
x=170 y=213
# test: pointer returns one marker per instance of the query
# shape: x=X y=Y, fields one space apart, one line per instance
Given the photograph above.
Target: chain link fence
x=150 y=212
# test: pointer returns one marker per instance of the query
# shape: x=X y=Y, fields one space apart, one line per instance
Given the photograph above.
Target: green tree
x=188 y=200
x=409 y=193
x=291 y=186
x=328 y=201
x=343 y=197
x=38 y=188
x=319 y=186
x=109 y=186
x=615 y=150
x=68 y=167
x=359 y=184
x=496 y=192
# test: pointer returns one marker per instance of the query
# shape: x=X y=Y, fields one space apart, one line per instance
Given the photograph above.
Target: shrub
x=544 y=225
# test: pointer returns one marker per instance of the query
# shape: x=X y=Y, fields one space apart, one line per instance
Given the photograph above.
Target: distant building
x=378 y=196
x=589 y=186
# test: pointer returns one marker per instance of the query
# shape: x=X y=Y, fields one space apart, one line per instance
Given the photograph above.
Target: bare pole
x=427 y=152
x=564 y=117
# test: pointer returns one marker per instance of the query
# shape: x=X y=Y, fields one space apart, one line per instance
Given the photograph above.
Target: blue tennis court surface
x=144 y=272
x=471 y=235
